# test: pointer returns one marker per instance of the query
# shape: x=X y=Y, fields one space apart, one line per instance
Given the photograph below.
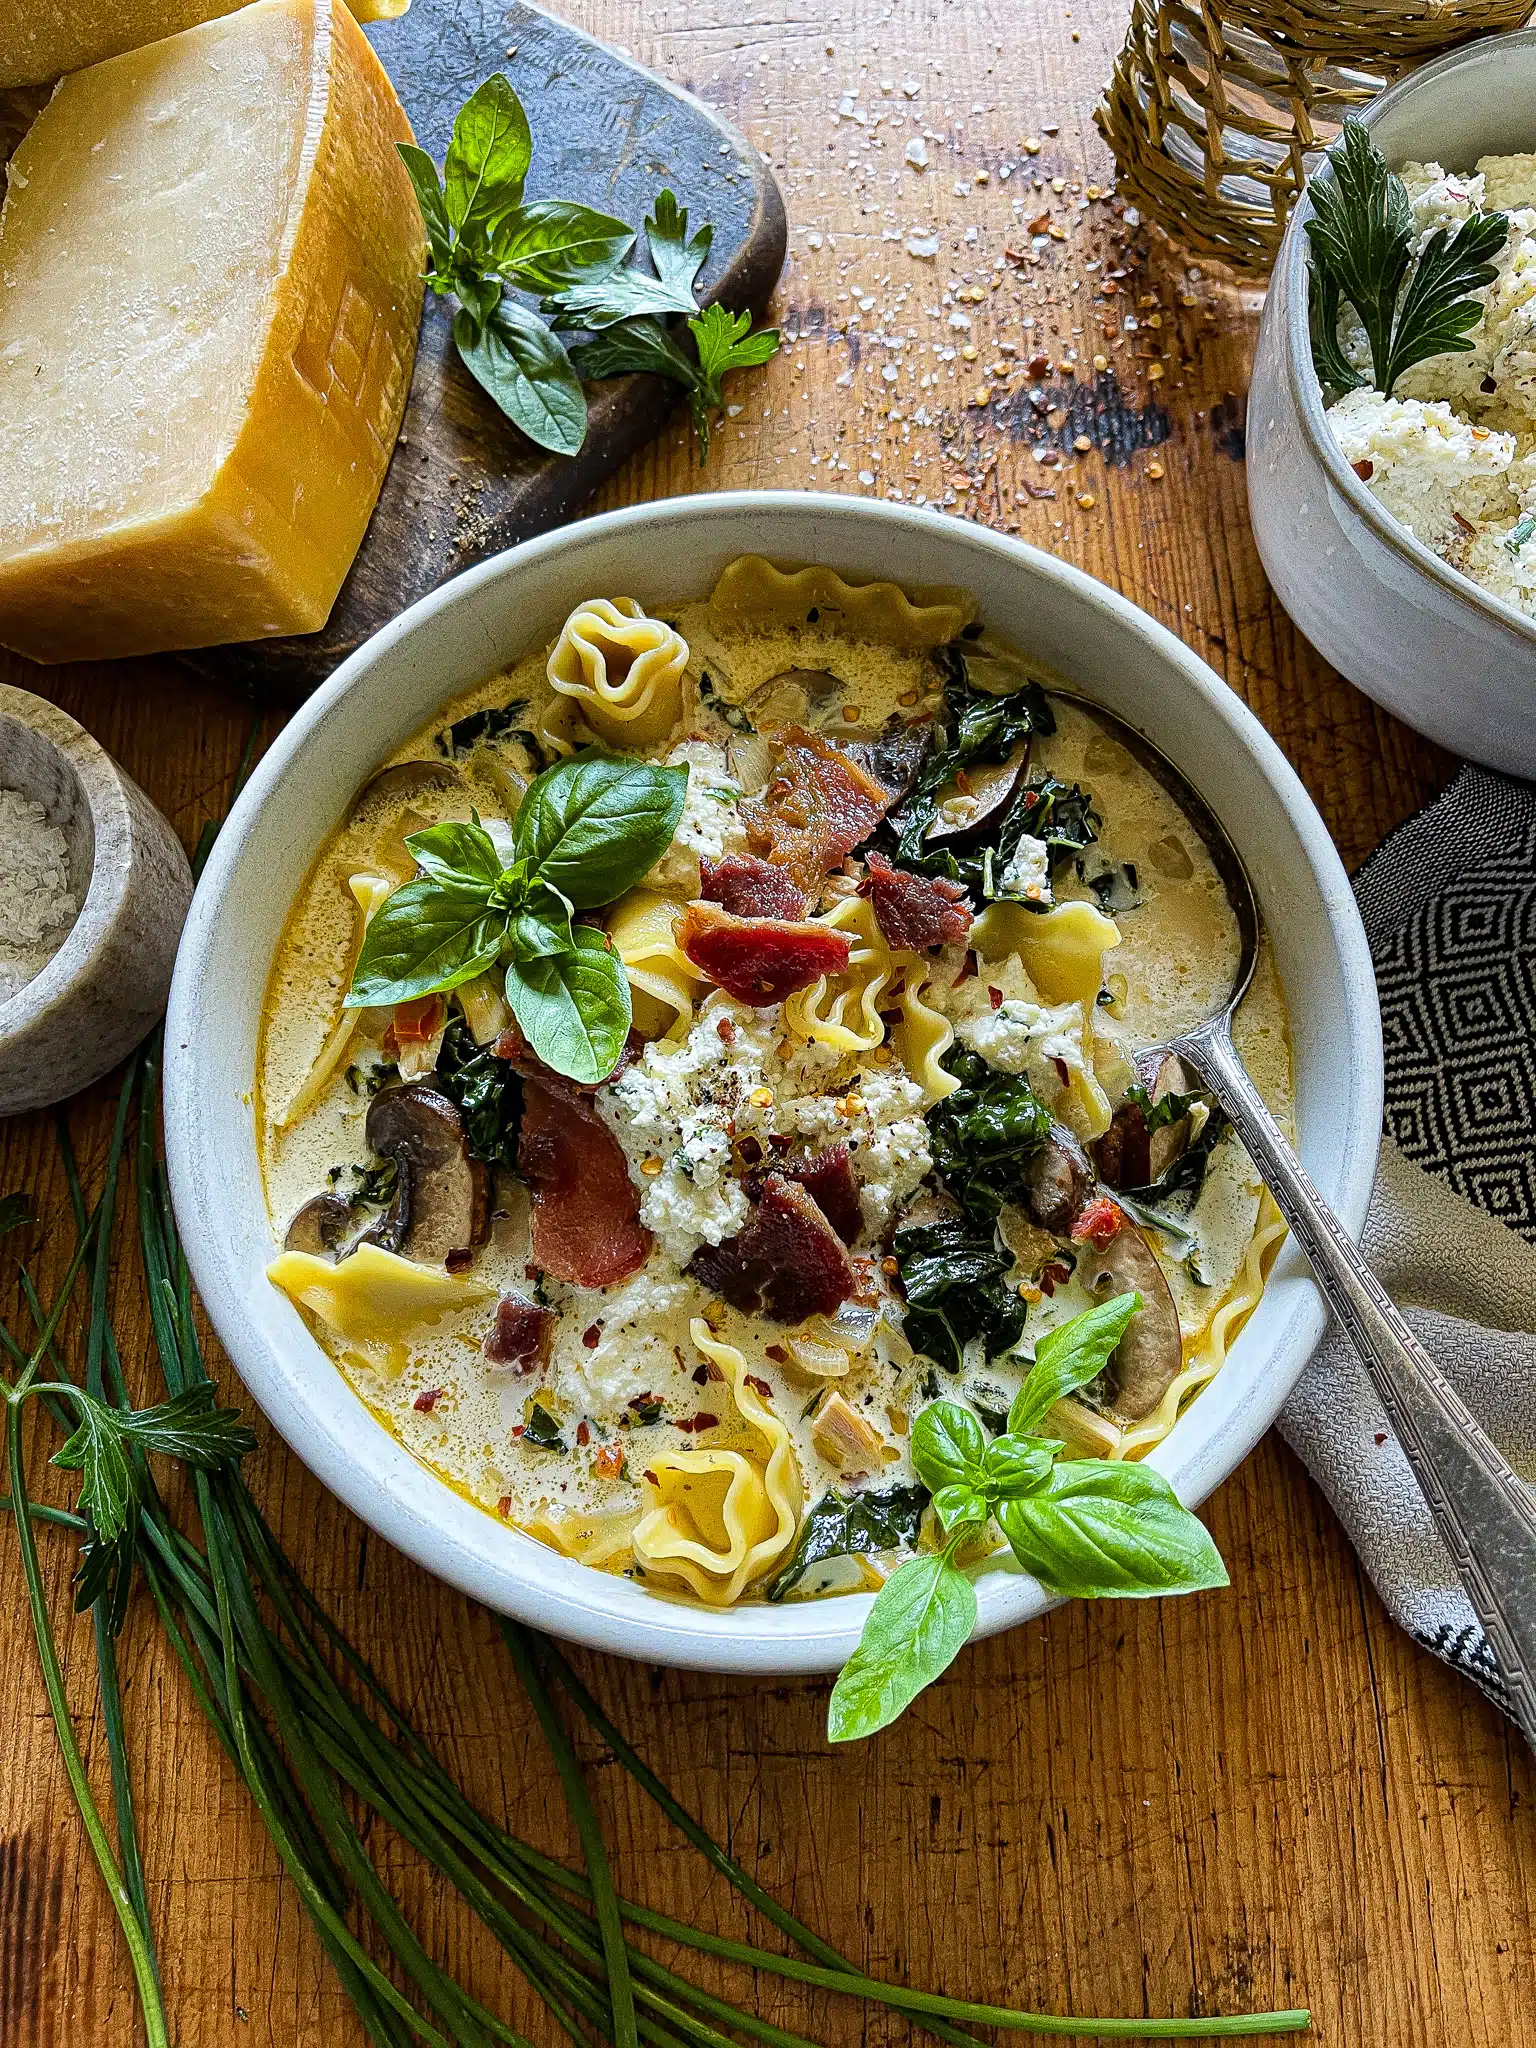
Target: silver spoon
x=1485 y=1514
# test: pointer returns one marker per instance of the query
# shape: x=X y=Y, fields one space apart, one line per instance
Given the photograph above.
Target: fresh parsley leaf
x=592 y=825
x=525 y=368
x=550 y=244
x=1069 y=1357
x=852 y=1525
x=629 y=294
x=921 y=1620
x=573 y=1008
x=725 y=342
x=108 y=1489
x=983 y=1136
x=487 y=1091
x=1100 y=1530
x=1361 y=232
x=427 y=937
x=488 y=158
x=189 y=1427
x=955 y=1280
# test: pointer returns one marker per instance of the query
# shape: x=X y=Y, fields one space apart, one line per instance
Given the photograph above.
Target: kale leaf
x=490 y=722
x=853 y=1525
x=487 y=1092
x=983 y=1134
x=982 y=730
x=955 y=1280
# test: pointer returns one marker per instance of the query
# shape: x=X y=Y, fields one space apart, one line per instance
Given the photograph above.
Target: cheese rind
x=42 y=39
x=210 y=260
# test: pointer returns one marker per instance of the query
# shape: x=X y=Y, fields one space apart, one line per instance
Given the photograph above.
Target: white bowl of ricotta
x=479 y=624
x=1452 y=656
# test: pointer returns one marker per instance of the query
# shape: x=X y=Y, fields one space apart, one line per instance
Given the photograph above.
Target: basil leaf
x=630 y=294
x=428 y=937
x=456 y=852
x=961 y=1504
x=1099 y=1530
x=429 y=197
x=526 y=370
x=1015 y=1465
x=593 y=825
x=549 y=244
x=948 y=1445
x=1069 y=1356
x=573 y=1008
x=853 y=1525
x=543 y=926
x=488 y=158
x=920 y=1622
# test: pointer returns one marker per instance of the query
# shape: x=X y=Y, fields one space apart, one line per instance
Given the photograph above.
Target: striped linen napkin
x=1449 y=904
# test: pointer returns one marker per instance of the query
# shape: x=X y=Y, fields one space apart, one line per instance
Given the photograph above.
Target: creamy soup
x=877 y=1111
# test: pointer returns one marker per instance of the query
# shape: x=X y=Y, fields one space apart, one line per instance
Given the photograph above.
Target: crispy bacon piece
x=917 y=913
x=816 y=809
x=1097 y=1222
x=759 y=960
x=586 y=1209
x=787 y=1264
x=749 y=887
x=520 y=1335
x=829 y=1181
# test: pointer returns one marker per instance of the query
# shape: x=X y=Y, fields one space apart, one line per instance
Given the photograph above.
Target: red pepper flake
x=592 y=1336
x=651 y=1476
x=726 y=1027
x=689 y=1423
x=1063 y=1072
x=583 y=1433
x=701 y=1376
x=609 y=1462
x=426 y=1402
x=517 y=1429
x=962 y=782
x=1381 y=1436
x=994 y=996
x=1039 y=364
x=759 y=1387
x=460 y=1259
x=1054 y=1276
x=1099 y=1221
x=712 y=1371
x=970 y=968
x=504 y=1506
x=1365 y=469
x=777 y=1353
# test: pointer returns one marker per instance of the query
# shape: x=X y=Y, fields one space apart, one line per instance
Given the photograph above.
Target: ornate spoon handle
x=1485 y=1514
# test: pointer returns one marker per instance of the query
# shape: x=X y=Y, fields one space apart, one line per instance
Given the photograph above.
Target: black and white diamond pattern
x=1457 y=980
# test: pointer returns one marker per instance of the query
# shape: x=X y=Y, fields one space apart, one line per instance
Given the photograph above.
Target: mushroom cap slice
x=1057 y=1181
x=967 y=816
x=1150 y=1356
x=442 y=1197
x=320 y=1227
x=790 y=697
x=405 y=781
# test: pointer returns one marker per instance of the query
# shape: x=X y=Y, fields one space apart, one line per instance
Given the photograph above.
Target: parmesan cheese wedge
x=210 y=260
x=41 y=39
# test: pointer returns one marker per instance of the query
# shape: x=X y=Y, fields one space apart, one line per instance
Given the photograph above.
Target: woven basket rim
x=1306 y=391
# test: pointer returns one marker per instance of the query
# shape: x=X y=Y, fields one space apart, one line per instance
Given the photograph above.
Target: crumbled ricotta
x=1445 y=454
x=632 y=1328
x=1019 y=1034
x=682 y=1109
x=1028 y=870
x=710 y=825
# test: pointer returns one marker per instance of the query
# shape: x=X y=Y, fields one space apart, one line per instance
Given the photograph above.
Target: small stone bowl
x=107 y=984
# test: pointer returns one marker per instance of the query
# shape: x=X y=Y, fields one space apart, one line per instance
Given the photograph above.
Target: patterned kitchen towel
x=1449 y=904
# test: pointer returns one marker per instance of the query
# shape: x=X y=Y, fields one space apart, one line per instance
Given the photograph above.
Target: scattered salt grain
x=917 y=153
x=36 y=906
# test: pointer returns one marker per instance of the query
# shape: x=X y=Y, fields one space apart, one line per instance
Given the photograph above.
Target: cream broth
x=626 y=1383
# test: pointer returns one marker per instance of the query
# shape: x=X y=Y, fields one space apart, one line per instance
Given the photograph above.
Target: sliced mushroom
x=320 y=1227
x=441 y=1202
x=1057 y=1181
x=846 y=1439
x=974 y=804
x=892 y=758
x=1150 y=1355
x=1129 y=1155
x=406 y=781
x=792 y=697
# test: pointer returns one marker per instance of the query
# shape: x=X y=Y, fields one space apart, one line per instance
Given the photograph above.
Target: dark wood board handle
x=464 y=483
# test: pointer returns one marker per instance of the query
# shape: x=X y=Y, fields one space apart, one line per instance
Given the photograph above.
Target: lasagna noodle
x=663 y=982
x=921 y=1035
x=752 y=593
x=624 y=670
x=842 y=1010
x=719 y=1519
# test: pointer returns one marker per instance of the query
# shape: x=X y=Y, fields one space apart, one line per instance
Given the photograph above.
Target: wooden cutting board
x=464 y=483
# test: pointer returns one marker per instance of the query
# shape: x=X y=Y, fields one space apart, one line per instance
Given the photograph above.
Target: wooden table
x=1265 y=1797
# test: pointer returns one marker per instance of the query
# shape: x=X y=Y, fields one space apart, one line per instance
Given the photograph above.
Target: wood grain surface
x=1262 y=1797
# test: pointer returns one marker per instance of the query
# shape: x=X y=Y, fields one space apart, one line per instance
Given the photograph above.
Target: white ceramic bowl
x=1432 y=646
x=481 y=622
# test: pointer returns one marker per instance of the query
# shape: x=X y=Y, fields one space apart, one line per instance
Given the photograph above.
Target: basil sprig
x=486 y=241
x=587 y=830
x=1084 y=1527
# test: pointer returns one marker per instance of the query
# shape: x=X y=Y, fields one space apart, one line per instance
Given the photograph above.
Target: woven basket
x=1213 y=109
